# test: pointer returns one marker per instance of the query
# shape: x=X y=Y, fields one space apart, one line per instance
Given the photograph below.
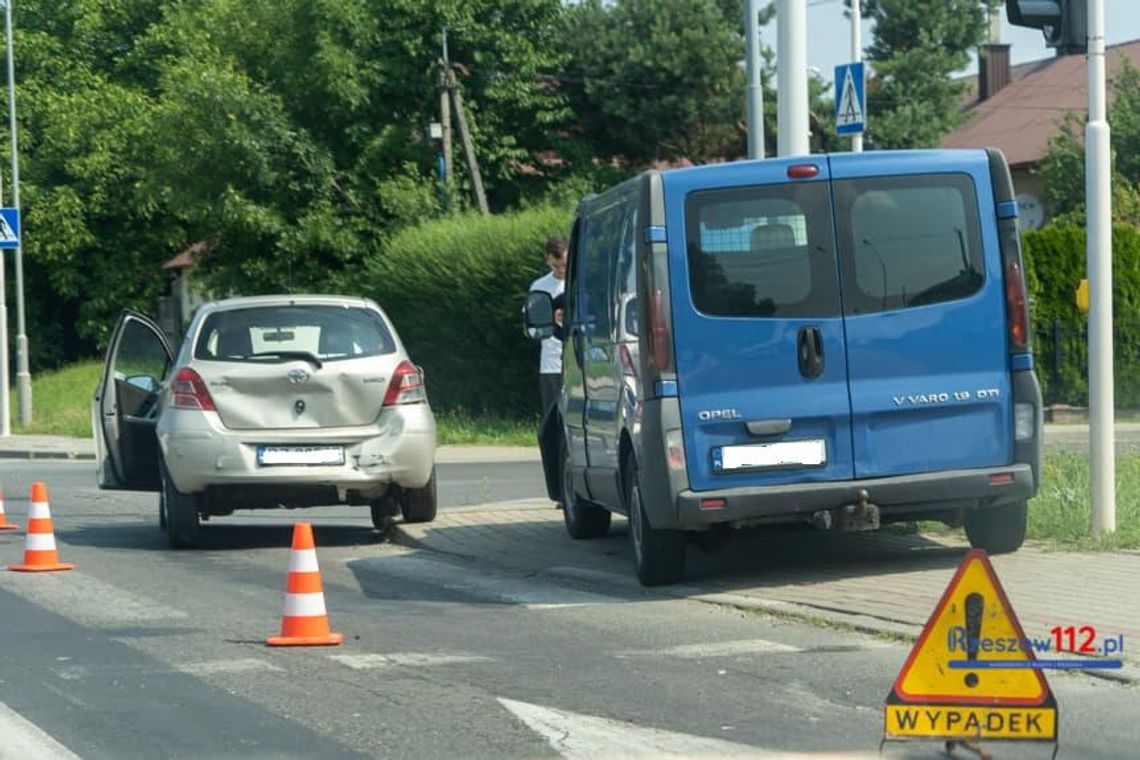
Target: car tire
x=418 y=505
x=178 y=514
x=999 y=529
x=583 y=519
x=658 y=554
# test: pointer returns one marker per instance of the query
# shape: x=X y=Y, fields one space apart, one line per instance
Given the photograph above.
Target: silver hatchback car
x=272 y=401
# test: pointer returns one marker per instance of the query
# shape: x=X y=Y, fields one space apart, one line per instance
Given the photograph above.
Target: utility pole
x=857 y=56
x=791 y=76
x=1098 y=194
x=755 y=110
x=23 y=376
x=445 y=119
x=468 y=145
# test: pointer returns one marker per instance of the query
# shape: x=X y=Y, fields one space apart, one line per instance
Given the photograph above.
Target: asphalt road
x=146 y=652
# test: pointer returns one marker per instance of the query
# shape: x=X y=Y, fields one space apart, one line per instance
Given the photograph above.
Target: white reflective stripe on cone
x=39 y=509
x=303 y=561
x=305 y=605
x=40 y=542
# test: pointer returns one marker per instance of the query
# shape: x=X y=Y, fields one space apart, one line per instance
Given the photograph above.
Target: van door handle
x=809 y=348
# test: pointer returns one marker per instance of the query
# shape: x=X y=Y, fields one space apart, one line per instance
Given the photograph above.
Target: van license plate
x=285 y=455
x=809 y=453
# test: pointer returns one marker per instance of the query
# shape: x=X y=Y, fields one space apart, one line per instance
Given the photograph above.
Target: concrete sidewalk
x=882 y=582
x=1067 y=436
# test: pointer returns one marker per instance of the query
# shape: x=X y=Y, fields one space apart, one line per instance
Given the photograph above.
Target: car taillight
x=627 y=367
x=407 y=385
x=659 y=332
x=189 y=391
x=1016 y=308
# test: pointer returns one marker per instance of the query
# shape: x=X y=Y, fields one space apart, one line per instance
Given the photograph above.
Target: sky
x=829 y=34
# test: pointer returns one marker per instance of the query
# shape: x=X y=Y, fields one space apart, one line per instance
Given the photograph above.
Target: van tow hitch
x=863 y=515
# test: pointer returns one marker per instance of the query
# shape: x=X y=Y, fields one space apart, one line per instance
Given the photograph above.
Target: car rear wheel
x=583 y=519
x=658 y=554
x=178 y=514
x=998 y=530
x=419 y=504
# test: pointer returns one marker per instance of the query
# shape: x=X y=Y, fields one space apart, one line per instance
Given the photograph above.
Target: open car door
x=125 y=408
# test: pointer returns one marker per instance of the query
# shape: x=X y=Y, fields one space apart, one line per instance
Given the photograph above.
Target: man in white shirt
x=550 y=361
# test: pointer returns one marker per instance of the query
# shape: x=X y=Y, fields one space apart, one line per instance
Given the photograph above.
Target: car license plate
x=809 y=453
x=285 y=455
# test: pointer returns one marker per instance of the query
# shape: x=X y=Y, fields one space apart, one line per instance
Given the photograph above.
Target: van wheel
x=178 y=514
x=419 y=505
x=658 y=555
x=583 y=519
x=997 y=530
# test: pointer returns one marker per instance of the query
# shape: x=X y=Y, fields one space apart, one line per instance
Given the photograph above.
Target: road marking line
x=717 y=649
x=87 y=599
x=214 y=667
x=20 y=739
x=404 y=659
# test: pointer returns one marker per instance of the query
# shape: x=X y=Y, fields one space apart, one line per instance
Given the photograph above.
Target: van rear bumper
x=900 y=494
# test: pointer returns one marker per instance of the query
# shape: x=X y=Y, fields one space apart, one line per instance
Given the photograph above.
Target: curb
x=57 y=455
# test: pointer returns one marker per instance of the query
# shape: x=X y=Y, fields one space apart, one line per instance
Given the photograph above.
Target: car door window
x=762 y=251
x=140 y=365
x=908 y=241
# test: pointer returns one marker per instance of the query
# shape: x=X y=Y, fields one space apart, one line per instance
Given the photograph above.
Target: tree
x=1064 y=167
x=913 y=100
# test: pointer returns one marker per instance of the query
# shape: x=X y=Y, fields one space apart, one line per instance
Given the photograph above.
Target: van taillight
x=406 y=386
x=1017 y=310
x=189 y=391
x=659 y=333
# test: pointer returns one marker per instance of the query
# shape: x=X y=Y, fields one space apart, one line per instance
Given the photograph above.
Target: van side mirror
x=538 y=315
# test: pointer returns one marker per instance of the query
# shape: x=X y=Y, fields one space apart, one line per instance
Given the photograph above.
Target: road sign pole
x=755 y=109
x=857 y=55
x=791 y=75
x=1098 y=191
x=23 y=376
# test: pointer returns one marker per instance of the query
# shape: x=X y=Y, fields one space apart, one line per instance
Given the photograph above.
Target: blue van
x=839 y=340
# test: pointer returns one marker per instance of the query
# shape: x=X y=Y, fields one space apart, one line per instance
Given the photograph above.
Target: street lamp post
x=23 y=375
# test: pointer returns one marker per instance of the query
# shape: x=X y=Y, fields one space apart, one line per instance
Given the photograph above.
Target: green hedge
x=454 y=288
x=1055 y=264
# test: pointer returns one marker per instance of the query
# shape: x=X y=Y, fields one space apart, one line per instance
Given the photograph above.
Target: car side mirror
x=538 y=315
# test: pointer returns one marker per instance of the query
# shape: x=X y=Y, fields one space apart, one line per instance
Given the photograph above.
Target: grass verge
x=62 y=406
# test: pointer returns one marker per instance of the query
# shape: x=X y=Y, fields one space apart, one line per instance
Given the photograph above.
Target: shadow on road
x=216 y=536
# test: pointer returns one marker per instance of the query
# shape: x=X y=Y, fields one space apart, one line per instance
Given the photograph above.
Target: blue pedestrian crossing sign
x=9 y=228
x=850 y=99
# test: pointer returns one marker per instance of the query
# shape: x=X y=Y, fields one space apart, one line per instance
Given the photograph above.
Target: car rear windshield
x=280 y=333
x=908 y=241
x=762 y=251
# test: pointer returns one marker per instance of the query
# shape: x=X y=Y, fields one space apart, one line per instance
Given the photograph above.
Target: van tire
x=178 y=514
x=999 y=529
x=658 y=554
x=583 y=519
x=419 y=505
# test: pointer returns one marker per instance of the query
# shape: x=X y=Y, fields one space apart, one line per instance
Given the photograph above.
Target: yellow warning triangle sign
x=973 y=650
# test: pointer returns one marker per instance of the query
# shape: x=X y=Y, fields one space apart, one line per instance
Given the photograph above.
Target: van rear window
x=762 y=251
x=908 y=241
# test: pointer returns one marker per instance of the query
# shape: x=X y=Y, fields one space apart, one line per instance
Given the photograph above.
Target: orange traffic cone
x=305 y=622
x=4 y=524
x=40 y=554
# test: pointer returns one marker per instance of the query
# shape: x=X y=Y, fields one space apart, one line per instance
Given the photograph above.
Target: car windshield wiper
x=305 y=355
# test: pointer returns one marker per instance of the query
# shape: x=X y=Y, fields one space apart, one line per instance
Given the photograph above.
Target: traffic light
x=1064 y=22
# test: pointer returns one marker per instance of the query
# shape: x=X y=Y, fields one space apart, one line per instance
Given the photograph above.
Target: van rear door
x=924 y=312
x=758 y=328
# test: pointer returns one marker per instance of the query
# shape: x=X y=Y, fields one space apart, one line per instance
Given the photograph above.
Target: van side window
x=762 y=251
x=603 y=238
x=908 y=241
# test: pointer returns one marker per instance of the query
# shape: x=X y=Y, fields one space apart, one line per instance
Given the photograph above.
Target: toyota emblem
x=297 y=376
